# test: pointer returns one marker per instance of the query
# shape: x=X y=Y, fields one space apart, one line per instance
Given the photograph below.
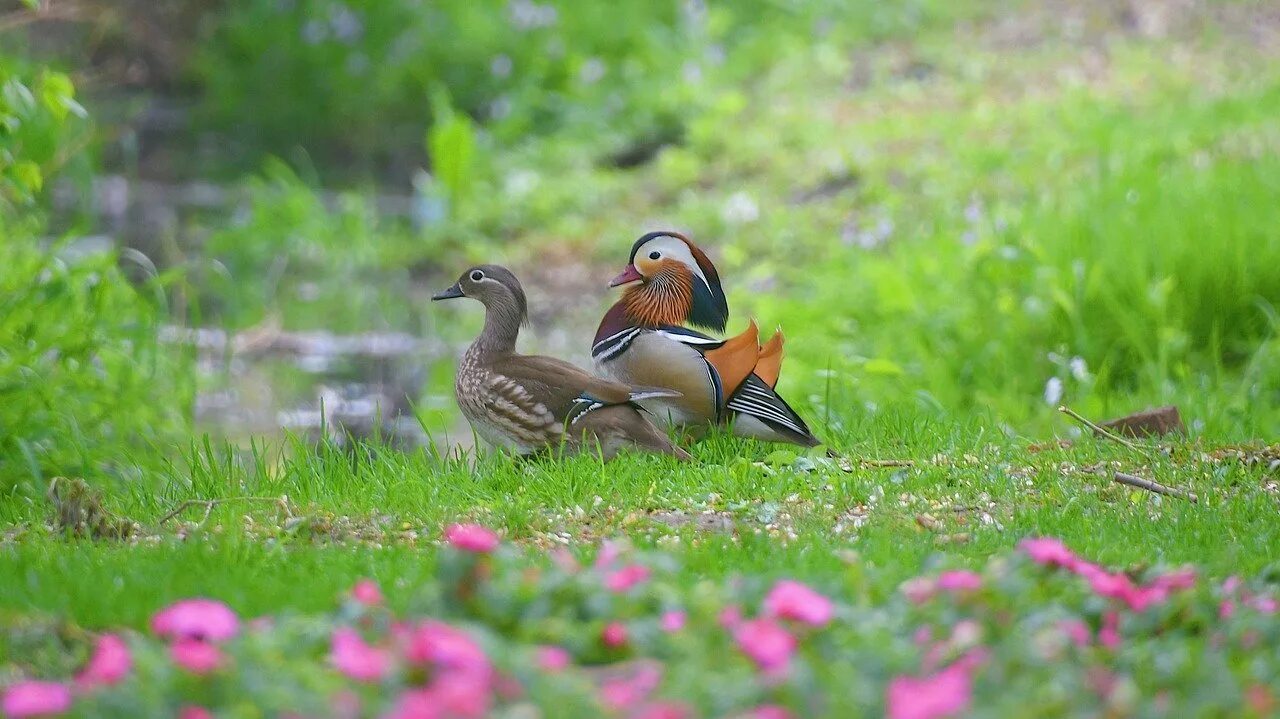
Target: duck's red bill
x=627 y=276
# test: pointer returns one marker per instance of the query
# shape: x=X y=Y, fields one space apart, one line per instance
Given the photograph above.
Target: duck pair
x=652 y=361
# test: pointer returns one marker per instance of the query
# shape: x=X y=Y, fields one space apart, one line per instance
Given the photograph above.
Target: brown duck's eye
x=477 y=275
x=655 y=255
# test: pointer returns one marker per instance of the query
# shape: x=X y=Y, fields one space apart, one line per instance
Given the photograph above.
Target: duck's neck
x=501 y=329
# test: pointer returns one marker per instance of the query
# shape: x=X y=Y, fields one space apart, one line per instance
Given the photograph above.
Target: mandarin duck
x=529 y=404
x=645 y=339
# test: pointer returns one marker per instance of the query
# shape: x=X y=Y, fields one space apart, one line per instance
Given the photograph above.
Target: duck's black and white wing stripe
x=686 y=336
x=757 y=399
x=615 y=344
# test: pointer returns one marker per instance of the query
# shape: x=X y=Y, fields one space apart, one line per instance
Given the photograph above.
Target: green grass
x=1020 y=206
x=380 y=514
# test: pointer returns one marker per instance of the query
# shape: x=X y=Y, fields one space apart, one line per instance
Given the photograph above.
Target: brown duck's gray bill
x=448 y=294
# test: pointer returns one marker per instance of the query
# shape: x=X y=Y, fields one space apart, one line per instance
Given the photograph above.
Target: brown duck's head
x=669 y=281
x=492 y=285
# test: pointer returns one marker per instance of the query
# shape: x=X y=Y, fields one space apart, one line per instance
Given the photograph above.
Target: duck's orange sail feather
x=736 y=358
x=769 y=362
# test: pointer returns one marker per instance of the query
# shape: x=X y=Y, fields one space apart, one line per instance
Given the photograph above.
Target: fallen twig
x=1096 y=428
x=846 y=465
x=209 y=504
x=1150 y=486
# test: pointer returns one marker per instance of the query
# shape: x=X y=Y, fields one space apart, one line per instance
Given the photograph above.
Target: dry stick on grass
x=1100 y=430
x=1156 y=487
x=209 y=504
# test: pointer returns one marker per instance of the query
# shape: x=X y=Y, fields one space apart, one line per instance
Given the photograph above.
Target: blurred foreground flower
x=109 y=664
x=36 y=699
x=196 y=619
x=792 y=600
x=471 y=538
x=356 y=659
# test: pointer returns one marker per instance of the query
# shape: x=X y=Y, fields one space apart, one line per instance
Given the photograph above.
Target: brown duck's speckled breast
x=500 y=411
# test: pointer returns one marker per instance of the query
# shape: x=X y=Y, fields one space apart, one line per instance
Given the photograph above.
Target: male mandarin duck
x=643 y=339
x=528 y=404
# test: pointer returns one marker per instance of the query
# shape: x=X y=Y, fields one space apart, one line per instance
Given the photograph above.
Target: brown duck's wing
x=568 y=390
x=736 y=358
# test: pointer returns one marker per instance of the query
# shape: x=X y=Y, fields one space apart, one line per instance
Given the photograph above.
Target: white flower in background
x=1053 y=391
x=1079 y=368
x=592 y=70
x=519 y=183
x=740 y=208
x=314 y=32
x=500 y=66
x=346 y=25
x=526 y=15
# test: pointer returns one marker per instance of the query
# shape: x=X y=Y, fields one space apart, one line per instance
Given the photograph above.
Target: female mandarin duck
x=643 y=339
x=528 y=404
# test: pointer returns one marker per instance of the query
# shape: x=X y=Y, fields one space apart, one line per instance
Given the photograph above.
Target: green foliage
x=451 y=144
x=83 y=380
x=316 y=261
x=356 y=76
x=41 y=126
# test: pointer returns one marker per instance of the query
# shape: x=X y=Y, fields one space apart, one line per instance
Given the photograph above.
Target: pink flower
x=608 y=554
x=792 y=600
x=663 y=710
x=1048 y=551
x=1231 y=584
x=462 y=694
x=1177 y=580
x=194 y=712
x=614 y=634
x=1075 y=630
x=770 y=711
x=959 y=581
x=416 y=704
x=1265 y=605
x=109 y=664
x=195 y=656
x=1109 y=634
x=35 y=699
x=730 y=616
x=626 y=692
x=356 y=659
x=673 y=621
x=1226 y=609
x=449 y=647
x=944 y=694
x=1115 y=586
x=196 y=619
x=552 y=659
x=919 y=590
x=471 y=538
x=621 y=580
x=366 y=592
x=766 y=642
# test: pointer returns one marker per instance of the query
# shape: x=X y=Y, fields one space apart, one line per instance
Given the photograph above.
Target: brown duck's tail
x=623 y=425
x=653 y=439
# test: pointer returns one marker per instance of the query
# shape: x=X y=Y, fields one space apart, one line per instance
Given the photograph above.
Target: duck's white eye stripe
x=477 y=275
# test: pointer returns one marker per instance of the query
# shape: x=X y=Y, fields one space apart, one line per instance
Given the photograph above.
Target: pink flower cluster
x=767 y=640
x=194 y=626
x=944 y=693
x=1113 y=585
